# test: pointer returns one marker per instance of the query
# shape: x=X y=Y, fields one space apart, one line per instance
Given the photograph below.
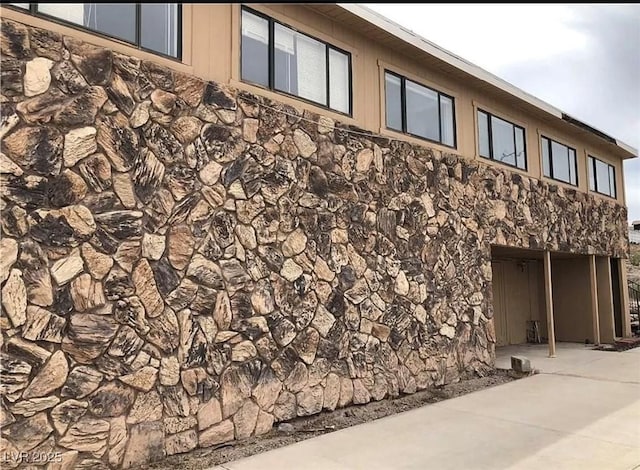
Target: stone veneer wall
x=182 y=266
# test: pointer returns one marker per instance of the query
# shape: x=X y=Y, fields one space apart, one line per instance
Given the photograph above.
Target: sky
x=583 y=59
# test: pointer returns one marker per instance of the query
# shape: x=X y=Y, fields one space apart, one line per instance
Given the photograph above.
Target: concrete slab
x=558 y=420
x=576 y=359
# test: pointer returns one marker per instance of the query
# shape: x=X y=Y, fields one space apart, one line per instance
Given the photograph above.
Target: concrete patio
x=582 y=411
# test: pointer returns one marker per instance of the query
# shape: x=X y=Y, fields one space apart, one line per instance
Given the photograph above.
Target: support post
x=548 y=297
x=593 y=287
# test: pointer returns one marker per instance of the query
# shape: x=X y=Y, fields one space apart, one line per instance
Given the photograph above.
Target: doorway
x=517 y=300
x=617 y=299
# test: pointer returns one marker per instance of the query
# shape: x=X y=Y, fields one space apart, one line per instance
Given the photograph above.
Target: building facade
x=219 y=217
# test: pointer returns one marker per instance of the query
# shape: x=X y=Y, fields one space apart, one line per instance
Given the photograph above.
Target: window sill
x=564 y=184
x=603 y=195
x=390 y=133
x=498 y=163
x=292 y=100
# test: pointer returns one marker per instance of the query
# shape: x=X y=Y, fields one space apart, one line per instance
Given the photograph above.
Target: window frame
x=490 y=139
x=271 y=22
x=549 y=150
x=403 y=108
x=591 y=171
x=33 y=11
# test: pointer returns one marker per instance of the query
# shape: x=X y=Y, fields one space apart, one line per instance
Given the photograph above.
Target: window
x=559 y=161
x=501 y=140
x=151 y=26
x=420 y=111
x=282 y=59
x=602 y=177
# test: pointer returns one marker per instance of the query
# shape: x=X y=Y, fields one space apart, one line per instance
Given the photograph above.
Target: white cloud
x=491 y=36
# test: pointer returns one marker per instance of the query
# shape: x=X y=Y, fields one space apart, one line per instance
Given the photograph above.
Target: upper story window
x=282 y=59
x=501 y=140
x=151 y=26
x=420 y=111
x=602 y=177
x=559 y=161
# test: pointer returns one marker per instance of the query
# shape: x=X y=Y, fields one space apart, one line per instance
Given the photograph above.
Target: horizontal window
x=282 y=59
x=418 y=110
x=559 y=161
x=602 y=177
x=152 y=26
x=501 y=140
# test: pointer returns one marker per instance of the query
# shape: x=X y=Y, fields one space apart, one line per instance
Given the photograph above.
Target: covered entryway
x=544 y=297
x=518 y=296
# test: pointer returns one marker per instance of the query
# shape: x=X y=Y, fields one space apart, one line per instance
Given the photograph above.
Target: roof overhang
x=449 y=60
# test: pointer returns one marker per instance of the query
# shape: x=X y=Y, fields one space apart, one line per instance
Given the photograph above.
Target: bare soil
x=322 y=423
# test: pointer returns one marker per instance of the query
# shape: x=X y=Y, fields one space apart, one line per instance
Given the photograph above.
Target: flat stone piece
x=94 y=63
x=42 y=325
x=69 y=226
x=78 y=144
x=37 y=76
x=14 y=298
x=86 y=293
x=87 y=435
x=146 y=444
x=143 y=379
x=98 y=264
x=82 y=381
x=118 y=141
x=146 y=289
x=27 y=433
x=31 y=406
x=52 y=376
x=36 y=148
x=520 y=364
x=181 y=442
x=67 y=268
x=9 y=250
x=67 y=413
x=217 y=434
x=180 y=246
x=110 y=400
x=96 y=171
x=88 y=336
x=147 y=407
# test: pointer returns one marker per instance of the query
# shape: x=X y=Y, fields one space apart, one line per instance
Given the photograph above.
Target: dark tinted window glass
x=447 y=120
x=503 y=144
x=159 y=27
x=560 y=161
x=300 y=65
x=573 y=178
x=422 y=111
x=521 y=156
x=483 y=134
x=501 y=140
x=255 y=49
x=393 y=103
x=612 y=181
x=592 y=176
x=546 y=158
x=339 y=83
x=158 y=22
x=115 y=19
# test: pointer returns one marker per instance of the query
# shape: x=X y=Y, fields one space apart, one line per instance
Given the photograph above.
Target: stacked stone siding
x=183 y=264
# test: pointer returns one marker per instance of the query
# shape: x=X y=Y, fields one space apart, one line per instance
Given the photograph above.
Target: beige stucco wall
x=571 y=300
x=518 y=297
x=211 y=45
